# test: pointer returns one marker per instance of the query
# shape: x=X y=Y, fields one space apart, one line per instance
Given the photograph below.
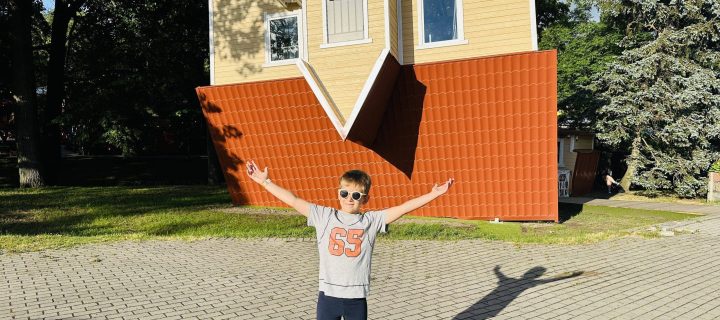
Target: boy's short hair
x=358 y=177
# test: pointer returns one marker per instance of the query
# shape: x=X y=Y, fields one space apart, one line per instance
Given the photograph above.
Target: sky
x=49 y=4
x=595 y=14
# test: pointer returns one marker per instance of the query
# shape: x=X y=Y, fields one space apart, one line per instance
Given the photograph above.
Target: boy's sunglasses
x=355 y=195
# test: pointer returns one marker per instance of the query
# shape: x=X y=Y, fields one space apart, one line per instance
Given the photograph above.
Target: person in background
x=610 y=181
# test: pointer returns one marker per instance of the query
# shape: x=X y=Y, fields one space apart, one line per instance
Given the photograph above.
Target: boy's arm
x=394 y=213
x=279 y=192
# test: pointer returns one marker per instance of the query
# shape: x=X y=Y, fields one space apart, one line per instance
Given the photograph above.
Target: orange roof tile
x=489 y=122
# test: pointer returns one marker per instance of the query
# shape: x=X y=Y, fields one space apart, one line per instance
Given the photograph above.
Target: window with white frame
x=442 y=21
x=282 y=37
x=345 y=20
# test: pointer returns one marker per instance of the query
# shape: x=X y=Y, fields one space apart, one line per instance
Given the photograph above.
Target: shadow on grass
x=567 y=211
x=119 y=171
x=75 y=211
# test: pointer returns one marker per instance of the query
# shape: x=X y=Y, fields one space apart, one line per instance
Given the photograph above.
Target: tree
x=663 y=94
x=65 y=11
x=585 y=49
x=132 y=70
x=551 y=13
x=6 y=103
x=106 y=76
x=23 y=88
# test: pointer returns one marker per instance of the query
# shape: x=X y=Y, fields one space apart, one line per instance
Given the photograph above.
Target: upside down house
x=411 y=91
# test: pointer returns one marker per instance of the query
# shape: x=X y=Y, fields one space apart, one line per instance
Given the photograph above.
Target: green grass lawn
x=36 y=219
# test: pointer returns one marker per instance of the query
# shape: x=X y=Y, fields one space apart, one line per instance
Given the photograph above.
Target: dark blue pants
x=331 y=308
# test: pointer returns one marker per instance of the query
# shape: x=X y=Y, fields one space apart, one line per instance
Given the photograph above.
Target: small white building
x=577 y=162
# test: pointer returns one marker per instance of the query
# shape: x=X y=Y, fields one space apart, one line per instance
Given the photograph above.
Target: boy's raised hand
x=254 y=173
x=443 y=188
x=394 y=213
x=261 y=177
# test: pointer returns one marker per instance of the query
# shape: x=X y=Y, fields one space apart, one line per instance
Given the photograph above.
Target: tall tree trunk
x=63 y=13
x=23 y=92
x=631 y=165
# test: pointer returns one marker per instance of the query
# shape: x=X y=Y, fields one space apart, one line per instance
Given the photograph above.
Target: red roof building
x=440 y=98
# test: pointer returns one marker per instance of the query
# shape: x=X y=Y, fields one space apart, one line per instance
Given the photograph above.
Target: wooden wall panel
x=492 y=27
x=393 y=32
x=239 y=42
x=344 y=70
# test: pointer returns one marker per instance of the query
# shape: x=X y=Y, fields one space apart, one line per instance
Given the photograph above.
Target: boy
x=345 y=238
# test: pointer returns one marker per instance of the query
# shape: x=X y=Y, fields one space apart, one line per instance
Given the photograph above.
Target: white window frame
x=454 y=42
x=325 y=43
x=561 y=152
x=301 y=37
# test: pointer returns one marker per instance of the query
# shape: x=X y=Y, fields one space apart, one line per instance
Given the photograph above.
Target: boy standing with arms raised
x=345 y=238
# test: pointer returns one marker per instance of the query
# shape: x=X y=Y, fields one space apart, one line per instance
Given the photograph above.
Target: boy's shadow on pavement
x=507 y=290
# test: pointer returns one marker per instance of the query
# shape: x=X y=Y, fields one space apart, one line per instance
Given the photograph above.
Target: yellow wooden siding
x=239 y=42
x=343 y=70
x=392 y=4
x=491 y=27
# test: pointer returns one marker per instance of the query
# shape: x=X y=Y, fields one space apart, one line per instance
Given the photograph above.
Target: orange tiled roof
x=489 y=122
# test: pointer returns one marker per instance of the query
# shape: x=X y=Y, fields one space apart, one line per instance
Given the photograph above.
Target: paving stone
x=673 y=277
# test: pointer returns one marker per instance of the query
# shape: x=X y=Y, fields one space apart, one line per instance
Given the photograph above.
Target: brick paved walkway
x=666 y=278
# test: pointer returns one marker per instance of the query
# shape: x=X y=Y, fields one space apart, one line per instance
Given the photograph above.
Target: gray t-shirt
x=345 y=243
